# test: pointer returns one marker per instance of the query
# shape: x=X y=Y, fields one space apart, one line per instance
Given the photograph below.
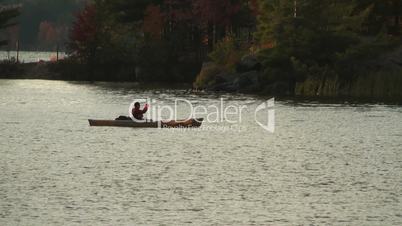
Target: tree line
x=325 y=38
x=167 y=40
x=7 y=15
x=42 y=24
x=293 y=38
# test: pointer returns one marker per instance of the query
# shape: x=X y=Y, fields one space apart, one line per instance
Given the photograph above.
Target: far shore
x=51 y=71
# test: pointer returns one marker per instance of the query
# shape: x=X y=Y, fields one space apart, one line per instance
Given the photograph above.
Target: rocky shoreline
x=383 y=81
x=383 y=85
x=40 y=70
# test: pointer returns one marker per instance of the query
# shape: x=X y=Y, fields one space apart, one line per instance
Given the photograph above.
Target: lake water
x=30 y=56
x=326 y=164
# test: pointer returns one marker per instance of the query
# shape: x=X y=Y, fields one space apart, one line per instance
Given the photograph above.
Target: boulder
x=215 y=78
x=208 y=74
x=247 y=79
x=234 y=82
x=223 y=87
x=225 y=82
x=253 y=76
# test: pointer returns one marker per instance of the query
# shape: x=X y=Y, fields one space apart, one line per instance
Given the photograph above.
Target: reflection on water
x=325 y=164
x=30 y=56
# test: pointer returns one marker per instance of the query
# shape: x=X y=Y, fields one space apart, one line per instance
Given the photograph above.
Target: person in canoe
x=137 y=112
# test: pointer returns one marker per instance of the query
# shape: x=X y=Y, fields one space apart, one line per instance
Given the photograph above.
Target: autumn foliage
x=156 y=34
x=84 y=33
x=153 y=21
x=216 y=12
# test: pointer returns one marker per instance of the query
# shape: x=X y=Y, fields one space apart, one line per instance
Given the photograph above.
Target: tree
x=384 y=16
x=168 y=34
x=48 y=34
x=103 y=44
x=7 y=16
x=216 y=17
x=84 y=35
x=60 y=13
x=310 y=42
x=153 y=21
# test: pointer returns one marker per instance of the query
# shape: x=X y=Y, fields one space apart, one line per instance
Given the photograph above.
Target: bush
x=355 y=60
x=277 y=66
x=227 y=53
x=379 y=85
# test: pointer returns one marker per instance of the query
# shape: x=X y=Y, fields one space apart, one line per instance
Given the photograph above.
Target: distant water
x=326 y=164
x=30 y=56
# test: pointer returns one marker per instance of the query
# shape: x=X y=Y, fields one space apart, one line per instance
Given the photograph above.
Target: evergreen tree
x=308 y=36
x=7 y=16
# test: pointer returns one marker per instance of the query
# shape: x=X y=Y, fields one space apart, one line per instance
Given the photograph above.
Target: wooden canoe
x=162 y=124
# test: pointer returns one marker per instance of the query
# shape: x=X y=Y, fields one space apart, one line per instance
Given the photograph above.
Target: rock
x=253 y=76
x=245 y=80
x=235 y=82
x=248 y=63
x=223 y=87
x=217 y=78
x=225 y=82
x=226 y=76
x=208 y=75
x=242 y=82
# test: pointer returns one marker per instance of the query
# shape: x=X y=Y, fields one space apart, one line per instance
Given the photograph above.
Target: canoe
x=191 y=123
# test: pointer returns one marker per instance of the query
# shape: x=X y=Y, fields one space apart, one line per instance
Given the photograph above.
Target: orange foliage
x=153 y=21
x=47 y=32
x=267 y=45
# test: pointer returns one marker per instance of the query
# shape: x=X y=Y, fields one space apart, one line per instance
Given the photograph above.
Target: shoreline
x=297 y=100
x=312 y=89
